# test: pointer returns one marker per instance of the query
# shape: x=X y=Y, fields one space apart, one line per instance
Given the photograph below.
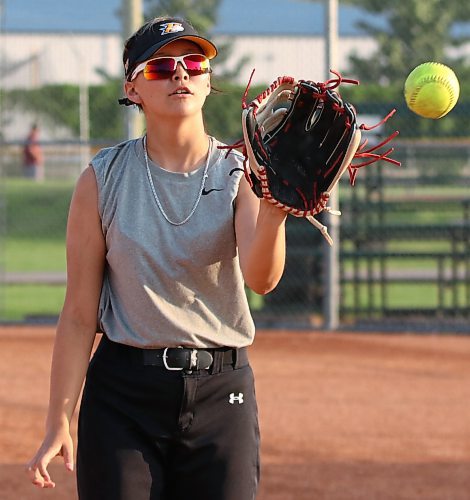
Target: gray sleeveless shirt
x=167 y=285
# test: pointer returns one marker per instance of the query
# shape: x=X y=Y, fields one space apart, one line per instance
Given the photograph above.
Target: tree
x=416 y=31
x=58 y=105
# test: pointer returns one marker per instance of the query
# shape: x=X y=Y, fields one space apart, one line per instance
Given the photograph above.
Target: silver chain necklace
x=201 y=189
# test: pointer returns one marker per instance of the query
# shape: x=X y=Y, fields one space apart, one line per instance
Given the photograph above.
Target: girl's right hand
x=56 y=443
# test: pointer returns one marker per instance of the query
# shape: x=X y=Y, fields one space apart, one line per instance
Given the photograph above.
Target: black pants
x=146 y=433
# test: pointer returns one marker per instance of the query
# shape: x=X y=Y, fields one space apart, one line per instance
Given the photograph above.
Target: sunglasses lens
x=197 y=64
x=164 y=67
x=159 y=69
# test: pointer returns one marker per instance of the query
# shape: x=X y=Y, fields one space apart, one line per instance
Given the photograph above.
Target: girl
x=163 y=234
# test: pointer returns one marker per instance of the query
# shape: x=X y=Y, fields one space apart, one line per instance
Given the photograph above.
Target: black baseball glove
x=299 y=137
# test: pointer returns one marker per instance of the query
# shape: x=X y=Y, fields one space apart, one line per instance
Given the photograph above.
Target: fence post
x=331 y=253
x=132 y=18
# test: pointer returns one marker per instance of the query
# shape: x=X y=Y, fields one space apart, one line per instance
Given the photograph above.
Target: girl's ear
x=131 y=92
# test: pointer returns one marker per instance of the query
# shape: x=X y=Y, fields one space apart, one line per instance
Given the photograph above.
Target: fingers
x=52 y=446
x=39 y=475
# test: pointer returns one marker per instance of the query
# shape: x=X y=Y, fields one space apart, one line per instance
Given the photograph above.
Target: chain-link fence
x=404 y=248
x=404 y=244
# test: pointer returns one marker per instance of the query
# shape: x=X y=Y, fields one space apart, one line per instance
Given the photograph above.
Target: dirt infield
x=343 y=416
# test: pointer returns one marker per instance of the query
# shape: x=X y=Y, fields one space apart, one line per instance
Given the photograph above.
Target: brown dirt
x=343 y=416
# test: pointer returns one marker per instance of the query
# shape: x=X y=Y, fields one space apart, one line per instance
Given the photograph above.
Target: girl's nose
x=180 y=73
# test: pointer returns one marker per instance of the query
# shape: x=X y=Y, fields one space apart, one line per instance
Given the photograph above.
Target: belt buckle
x=165 y=357
x=193 y=360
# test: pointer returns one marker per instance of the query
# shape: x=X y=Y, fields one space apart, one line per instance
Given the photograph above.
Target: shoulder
x=85 y=194
x=106 y=158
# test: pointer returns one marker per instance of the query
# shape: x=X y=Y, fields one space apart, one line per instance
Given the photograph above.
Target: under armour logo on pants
x=233 y=398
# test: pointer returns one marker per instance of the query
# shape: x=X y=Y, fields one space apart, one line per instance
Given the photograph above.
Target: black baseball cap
x=157 y=33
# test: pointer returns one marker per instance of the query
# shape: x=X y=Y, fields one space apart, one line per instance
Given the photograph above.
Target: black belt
x=182 y=358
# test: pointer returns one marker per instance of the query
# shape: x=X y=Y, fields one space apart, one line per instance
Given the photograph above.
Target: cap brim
x=209 y=49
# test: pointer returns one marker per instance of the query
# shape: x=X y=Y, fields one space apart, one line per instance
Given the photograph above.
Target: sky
x=235 y=16
x=67 y=15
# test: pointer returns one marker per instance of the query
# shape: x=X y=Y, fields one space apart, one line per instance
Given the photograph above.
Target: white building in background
x=298 y=56
x=31 y=60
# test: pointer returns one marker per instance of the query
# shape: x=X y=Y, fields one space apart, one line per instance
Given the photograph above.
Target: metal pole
x=84 y=107
x=2 y=154
x=132 y=19
x=331 y=253
x=2 y=66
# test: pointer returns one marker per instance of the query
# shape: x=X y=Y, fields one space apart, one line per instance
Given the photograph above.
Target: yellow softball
x=431 y=90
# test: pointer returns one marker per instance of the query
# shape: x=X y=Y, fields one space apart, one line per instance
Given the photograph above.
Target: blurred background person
x=33 y=159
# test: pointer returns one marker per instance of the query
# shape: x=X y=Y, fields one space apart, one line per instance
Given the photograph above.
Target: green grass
x=22 y=301
x=29 y=255
x=36 y=215
x=410 y=296
x=37 y=210
x=35 y=219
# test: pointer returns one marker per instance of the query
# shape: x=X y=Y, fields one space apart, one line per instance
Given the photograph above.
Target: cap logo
x=167 y=28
